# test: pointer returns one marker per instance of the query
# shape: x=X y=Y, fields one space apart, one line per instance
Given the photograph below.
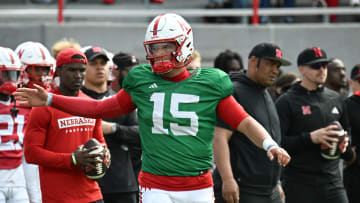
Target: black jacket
x=121 y=176
x=302 y=111
x=251 y=167
x=353 y=108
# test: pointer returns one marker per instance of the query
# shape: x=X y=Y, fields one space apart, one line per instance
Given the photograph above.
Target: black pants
x=123 y=197
x=352 y=183
x=254 y=198
x=296 y=192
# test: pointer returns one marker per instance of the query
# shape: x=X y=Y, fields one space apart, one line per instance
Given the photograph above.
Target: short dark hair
x=222 y=61
x=123 y=60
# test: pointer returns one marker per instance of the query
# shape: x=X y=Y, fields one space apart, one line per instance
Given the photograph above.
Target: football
x=100 y=170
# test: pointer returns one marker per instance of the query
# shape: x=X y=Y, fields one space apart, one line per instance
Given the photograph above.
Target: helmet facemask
x=10 y=79
x=40 y=75
x=166 y=61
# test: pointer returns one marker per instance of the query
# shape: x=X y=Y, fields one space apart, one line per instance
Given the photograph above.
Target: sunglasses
x=318 y=65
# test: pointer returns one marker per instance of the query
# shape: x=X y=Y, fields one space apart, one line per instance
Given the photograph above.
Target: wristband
x=269 y=142
x=49 y=99
x=73 y=158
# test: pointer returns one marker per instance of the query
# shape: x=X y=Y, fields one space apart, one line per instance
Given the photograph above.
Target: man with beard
x=306 y=111
x=250 y=177
x=336 y=79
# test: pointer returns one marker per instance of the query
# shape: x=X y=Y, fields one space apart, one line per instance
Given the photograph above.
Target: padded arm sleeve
x=231 y=111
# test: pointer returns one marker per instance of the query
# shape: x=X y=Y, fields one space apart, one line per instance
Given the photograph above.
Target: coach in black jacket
x=352 y=171
x=305 y=113
x=248 y=168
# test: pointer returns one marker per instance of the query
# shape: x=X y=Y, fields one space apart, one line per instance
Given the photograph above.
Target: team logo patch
x=154 y=85
x=335 y=111
x=306 y=110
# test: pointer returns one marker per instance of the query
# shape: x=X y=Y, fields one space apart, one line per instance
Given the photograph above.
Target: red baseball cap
x=70 y=55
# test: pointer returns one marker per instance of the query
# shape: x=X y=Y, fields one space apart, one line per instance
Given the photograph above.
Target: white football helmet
x=167 y=28
x=10 y=71
x=35 y=54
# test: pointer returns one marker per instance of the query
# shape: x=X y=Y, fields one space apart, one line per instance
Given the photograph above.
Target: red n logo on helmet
x=317 y=52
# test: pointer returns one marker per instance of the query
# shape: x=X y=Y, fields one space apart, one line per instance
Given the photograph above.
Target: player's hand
x=230 y=191
x=282 y=156
x=107 y=157
x=31 y=97
x=344 y=144
x=85 y=159
x=324 y=135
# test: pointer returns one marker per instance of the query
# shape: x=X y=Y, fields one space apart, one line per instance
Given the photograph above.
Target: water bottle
x=334 y=151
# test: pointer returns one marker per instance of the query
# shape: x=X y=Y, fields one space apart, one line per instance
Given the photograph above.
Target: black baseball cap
x=124 y=60
x=355 y=72
x=311 y=56
x=93 y=52
x=269 y=51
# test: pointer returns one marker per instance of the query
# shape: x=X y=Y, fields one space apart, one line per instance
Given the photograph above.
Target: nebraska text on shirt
x=75 y=121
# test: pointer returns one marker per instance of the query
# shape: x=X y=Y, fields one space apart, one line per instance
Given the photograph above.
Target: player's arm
x=234 y=115
x=230 y=189
x=116 y=105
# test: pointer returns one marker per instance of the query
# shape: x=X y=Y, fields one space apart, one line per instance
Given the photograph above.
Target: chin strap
x=14 y=111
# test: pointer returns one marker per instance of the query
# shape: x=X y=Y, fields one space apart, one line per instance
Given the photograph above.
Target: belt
x=203 y=171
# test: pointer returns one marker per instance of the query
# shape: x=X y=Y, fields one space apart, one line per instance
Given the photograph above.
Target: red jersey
x=51 y=137
x=11 y=134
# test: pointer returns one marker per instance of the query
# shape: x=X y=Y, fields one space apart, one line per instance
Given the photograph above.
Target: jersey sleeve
x=231 y=112
x=114 y=106
x=34 y=141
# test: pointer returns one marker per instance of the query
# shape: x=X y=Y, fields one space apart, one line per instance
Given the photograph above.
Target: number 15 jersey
x=177 y=119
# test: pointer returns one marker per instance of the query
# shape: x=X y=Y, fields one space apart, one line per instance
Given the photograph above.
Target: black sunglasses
x=318 y=65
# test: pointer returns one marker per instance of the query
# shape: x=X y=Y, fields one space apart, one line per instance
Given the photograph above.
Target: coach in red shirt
x=53 y=137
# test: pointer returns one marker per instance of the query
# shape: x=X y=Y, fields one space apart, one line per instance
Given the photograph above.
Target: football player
x=38 y=69
x=12 y=124
x=176 y=114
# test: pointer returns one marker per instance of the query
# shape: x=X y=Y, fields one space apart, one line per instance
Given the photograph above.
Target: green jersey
x=177 y=119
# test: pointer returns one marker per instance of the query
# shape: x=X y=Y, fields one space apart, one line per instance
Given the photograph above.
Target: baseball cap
x=70 y=55
x=269 y=51
x=312 y=55
x=355 y=72
x=93 y=52
x=123 y=60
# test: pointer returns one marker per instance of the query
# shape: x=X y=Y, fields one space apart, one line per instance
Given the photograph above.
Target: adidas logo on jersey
x=154 y=85
x=335 y=111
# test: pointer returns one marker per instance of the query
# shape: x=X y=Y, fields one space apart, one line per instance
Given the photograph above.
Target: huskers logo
x=306 y=110
x=75 y=121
